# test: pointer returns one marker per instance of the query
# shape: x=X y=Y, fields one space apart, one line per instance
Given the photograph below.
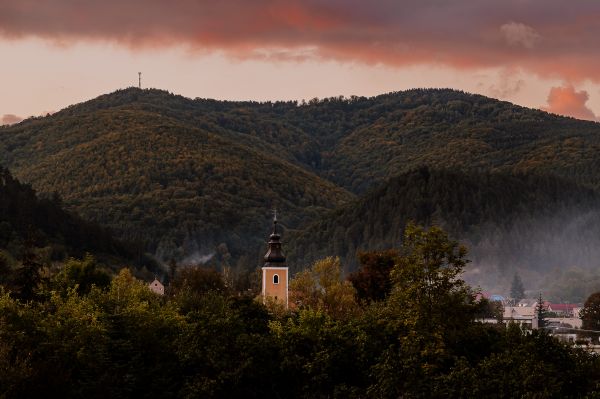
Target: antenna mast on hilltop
x=139 y=80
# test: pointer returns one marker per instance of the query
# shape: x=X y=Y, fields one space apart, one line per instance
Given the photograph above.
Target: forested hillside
x=28 y=223
x=182 y=190
x=512 y=223
x=196 y=179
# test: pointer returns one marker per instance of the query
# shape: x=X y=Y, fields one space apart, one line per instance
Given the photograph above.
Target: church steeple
x=274 y=256
x=275 y=272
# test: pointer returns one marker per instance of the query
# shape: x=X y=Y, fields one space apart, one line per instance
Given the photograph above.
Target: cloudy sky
x=537 y=53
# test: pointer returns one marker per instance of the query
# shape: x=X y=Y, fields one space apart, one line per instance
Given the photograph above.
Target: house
x=528 y=302
x=157 y=287
x=525 y=316
x=565 y=309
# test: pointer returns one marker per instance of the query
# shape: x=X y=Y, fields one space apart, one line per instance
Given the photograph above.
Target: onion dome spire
x=274 y=255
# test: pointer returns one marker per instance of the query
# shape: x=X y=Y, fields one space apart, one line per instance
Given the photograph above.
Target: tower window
x=276 y=279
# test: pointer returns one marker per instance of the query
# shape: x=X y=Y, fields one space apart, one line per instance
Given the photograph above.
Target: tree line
x=404 y=325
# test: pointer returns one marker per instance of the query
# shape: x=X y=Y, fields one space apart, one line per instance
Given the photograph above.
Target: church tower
x=275 y=270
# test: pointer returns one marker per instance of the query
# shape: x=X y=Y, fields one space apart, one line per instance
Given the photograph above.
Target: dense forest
x=81 y=335
x=512 y=222
x=41 y=225
x=194 y=180
x=184 y=191
x=379 y=305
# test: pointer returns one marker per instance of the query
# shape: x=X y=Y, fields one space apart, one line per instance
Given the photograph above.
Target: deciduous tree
x=372 y=281
x=590 y=314
x=322 y=287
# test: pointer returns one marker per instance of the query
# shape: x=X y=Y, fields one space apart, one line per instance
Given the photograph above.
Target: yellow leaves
x=321 y=287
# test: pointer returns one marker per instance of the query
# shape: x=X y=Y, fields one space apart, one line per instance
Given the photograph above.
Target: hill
x=384 y=136
x=184 y=191
x=195 y=179
x=28 y=222
x=533 y=225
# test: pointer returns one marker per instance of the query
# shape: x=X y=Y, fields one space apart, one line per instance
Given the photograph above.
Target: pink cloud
x=9 y=119
x=517 y=34
x=567 y=101
x=540 y=36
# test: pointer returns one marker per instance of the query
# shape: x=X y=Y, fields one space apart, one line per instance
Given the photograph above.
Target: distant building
x=497 y=298
x=527 y=302
x=275 y=271
x=157 y=287
x=565 y=309
x=524 y=316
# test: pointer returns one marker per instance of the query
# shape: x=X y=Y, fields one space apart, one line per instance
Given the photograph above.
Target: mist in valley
x=556 y=254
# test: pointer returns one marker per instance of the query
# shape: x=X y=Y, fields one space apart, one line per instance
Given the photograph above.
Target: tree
x=321 y=287
x=429 y=308
x=517 y=291
x=27 y=276
x=427 y=286
x=172 y=271
x=82 y=274
x=590 y=314
x=372 y=281
x=199 y=280
x=540 y=312
x=6 y=272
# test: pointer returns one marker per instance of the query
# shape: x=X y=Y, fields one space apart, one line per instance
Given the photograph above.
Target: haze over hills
x=196 y=179
x=511 y=223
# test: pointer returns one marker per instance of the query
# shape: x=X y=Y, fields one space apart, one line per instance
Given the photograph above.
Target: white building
x=157 y=287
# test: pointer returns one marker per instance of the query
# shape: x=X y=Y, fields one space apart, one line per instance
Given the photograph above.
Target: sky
x=536 y=53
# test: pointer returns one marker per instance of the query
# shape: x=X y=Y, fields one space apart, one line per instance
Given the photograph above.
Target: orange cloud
x=540 y=36
x=9 y=119
x=567 y=101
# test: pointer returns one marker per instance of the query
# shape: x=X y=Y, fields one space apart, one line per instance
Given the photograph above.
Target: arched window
x=276 y=279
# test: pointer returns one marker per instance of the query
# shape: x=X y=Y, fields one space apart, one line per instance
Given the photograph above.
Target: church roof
x=274 y=255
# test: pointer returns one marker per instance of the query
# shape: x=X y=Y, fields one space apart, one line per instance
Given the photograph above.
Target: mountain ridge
x=193 y=175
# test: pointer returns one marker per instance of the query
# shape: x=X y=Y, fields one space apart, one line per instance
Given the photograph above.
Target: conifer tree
x=28 y=277
x=540 y=312
x=517 y=291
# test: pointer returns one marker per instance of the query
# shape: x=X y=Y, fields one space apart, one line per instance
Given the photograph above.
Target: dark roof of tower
x=274 y=255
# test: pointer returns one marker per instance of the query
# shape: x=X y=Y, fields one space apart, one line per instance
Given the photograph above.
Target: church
x=275 y=277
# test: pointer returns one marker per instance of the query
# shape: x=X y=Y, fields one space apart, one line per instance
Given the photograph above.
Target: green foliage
x=192 y=283
x=421 y=340
x=590 y=314
x=173 y=174
x=29 y=224
x=487 y=309
x=428 y=307
x=322 y=357
x=183 y=176
x=199 y=280
x=531 y=366
x=372 y=281
x=322 y=287
x=81 y=275
x=28 y=275
x=427 y=279
x=494 y=213
x=541 y=312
